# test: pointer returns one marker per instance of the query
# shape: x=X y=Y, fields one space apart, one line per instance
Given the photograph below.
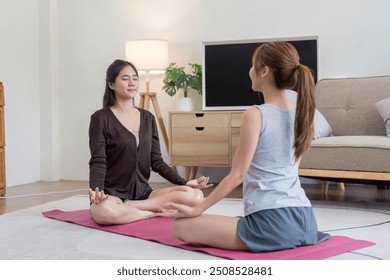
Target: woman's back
x=272 y=179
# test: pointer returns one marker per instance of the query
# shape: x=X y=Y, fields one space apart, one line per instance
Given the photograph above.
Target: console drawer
x=195 y=119
x=200 y=146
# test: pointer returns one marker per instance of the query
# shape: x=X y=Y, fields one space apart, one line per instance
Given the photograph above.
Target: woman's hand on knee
x=168 y=213
x=181 y=211
x=97 y=196
x=199 y=183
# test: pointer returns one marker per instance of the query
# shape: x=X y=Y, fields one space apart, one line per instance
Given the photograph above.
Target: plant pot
x=185 y=104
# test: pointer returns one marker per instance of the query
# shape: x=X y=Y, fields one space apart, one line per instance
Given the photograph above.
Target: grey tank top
x=272 y=179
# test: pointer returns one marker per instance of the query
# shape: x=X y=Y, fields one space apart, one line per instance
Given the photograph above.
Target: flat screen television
x=226 y=82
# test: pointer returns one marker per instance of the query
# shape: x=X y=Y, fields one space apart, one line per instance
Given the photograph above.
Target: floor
x=366 y=208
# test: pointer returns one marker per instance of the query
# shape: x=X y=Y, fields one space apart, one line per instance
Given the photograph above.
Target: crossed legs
x=206 y=230
x=113 y=211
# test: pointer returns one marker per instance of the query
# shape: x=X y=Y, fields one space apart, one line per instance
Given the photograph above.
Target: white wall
x=19 y=72
x=49 y=91
x=353 y=40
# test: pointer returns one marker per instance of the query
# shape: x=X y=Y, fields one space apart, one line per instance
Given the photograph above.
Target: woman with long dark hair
x=125 y=147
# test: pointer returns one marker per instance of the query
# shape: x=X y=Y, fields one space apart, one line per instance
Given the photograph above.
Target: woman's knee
x=194 y=197
x=103 y=213
x=187 y=195
x=99 y=215
x=199 y=196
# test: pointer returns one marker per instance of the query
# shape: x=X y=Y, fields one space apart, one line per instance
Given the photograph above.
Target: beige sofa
x=358 y=149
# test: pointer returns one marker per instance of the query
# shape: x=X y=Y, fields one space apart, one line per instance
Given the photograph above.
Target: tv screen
x=226 y=82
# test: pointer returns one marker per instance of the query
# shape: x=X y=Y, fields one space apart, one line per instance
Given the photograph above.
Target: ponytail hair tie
x=296 y=66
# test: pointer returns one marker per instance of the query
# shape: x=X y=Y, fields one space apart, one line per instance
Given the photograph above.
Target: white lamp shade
x=148 y=55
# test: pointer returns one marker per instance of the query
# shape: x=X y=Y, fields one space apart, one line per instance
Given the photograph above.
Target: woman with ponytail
x=273 y=137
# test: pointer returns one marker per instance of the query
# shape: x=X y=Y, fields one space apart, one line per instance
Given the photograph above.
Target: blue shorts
x=280 y=229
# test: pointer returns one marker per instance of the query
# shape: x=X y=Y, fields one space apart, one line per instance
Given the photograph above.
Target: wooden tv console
x=203 y=138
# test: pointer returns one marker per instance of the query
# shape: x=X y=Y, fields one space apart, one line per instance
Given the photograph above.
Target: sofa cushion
x=352 y=153
x=383 y=108
x=321 y=125
x=348 y=104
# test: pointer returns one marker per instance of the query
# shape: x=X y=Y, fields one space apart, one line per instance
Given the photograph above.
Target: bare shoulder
x=251 y=114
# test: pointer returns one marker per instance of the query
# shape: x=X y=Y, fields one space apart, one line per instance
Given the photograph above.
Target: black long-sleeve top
x=117 y=165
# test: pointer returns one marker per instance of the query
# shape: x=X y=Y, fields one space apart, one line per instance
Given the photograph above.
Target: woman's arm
x=97 y=145
x=249 y=137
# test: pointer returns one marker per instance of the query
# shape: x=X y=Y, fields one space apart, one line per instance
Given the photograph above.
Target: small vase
x=185 y=104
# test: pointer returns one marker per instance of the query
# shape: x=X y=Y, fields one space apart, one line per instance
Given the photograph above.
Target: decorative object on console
x=185 y=104
x=150 y=57
x=176 y=79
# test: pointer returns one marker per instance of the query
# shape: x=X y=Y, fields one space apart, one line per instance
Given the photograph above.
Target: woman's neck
x=277 y=98
x=124 y=107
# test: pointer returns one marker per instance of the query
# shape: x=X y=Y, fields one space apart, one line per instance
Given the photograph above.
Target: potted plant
x=176 y=79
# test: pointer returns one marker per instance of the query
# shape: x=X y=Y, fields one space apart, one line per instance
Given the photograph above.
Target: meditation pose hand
x=199 y=183
x=97 y=196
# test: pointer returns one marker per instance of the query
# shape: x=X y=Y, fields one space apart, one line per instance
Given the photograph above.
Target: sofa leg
x=340 y=186
x=325 y=187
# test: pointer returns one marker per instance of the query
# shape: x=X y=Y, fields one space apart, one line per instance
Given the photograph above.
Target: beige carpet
x=26 y=234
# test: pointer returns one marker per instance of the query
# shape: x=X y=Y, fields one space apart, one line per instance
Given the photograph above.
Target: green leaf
x=175 y=79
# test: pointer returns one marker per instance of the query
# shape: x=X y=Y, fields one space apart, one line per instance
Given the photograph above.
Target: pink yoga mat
x=159 y=229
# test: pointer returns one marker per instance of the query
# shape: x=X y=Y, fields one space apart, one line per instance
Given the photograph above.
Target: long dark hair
x=111 y=74
x=283 y=60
